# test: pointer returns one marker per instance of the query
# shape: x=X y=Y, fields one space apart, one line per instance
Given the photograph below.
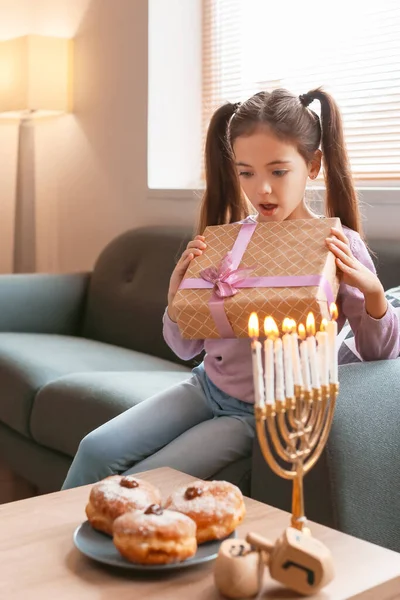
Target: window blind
x=351 y=48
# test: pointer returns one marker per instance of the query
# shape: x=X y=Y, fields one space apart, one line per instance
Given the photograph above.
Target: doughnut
x=115 y=495
x=155 y=536
x=217 y=507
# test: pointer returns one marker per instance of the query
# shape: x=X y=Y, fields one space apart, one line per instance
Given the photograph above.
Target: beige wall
x=91 y=179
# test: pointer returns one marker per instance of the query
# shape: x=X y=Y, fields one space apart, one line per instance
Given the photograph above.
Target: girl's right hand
x=194 y=248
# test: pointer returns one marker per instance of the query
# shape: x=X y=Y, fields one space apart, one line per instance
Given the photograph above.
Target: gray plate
x=100 y=547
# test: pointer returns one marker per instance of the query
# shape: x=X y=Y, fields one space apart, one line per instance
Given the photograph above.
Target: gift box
x=282 y=269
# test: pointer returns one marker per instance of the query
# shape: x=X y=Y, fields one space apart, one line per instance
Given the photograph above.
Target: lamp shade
x=36 y=75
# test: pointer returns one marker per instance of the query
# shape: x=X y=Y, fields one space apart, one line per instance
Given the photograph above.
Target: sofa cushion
x=386 y=256
x=66 y=410
x=129 y=287
x=30 y=361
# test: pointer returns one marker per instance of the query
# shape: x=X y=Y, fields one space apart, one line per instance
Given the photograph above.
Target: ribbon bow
x=225 y=278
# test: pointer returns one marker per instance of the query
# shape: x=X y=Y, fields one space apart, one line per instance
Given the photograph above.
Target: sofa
x=78 y=349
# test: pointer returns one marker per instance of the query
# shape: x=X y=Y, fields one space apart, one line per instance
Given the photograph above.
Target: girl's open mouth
x=268 y=209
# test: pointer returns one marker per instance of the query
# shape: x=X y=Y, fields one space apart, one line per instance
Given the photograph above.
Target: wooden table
x=38 y=558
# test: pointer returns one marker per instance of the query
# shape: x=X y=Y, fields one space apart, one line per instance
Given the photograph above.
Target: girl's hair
x=290 y=119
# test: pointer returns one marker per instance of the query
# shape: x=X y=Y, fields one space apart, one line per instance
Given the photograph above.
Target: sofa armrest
x=43 y=303
x=363 y=452
x=354 y=486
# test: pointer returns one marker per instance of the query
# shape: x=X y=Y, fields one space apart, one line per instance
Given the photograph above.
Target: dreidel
x=297 y=560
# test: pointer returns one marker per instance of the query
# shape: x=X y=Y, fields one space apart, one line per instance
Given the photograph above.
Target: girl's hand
x=354 y=272
x=357 y=275
x=194 y=248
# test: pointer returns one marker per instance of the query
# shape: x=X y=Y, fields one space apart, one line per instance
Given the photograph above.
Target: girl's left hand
x=354 y=272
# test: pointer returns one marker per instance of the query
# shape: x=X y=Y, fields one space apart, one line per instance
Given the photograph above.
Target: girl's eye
x=245 y=174
x=279 y=172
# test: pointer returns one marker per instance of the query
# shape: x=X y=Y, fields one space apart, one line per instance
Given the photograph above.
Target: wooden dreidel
x=238 y=569
x=297 y=560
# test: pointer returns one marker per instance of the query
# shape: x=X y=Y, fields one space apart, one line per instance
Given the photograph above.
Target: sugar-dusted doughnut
x=115 y=495
x=217 y=507
x=155 y=536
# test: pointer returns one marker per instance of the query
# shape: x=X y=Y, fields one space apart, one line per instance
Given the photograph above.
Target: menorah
x=295 y=394
x=295 y=397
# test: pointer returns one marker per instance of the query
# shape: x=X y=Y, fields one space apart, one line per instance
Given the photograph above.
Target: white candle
x=287 y=358
x=258 y=382
x=272 y=332
x=279 y=389
x=305 y=367
x=297 y=377
x=257 y=373
x=269 y=370
x=331 y=329
x=312 y=351
x=322 y=353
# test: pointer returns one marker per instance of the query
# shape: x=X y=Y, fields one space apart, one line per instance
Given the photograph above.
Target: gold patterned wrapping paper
x=279 y=249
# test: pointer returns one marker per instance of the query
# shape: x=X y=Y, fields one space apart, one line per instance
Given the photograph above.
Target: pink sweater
x=227 y=362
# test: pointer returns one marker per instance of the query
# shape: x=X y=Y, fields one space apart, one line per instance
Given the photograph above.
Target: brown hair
x=290 y=119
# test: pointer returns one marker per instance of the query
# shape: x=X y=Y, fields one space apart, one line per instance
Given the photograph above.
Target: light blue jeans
x=193 y=427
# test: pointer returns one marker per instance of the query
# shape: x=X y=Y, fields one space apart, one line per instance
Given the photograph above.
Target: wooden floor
x=13 y=487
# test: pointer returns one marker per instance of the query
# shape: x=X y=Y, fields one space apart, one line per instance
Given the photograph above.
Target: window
x=352 y=48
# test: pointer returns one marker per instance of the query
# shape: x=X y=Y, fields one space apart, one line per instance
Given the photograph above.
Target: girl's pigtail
x=222 y=200
x=341 y=197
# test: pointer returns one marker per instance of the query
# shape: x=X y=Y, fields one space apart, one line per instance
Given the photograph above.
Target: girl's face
x=273 y=175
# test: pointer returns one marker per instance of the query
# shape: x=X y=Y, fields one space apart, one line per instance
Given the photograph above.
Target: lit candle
x=287 y=357
x=297 y=377
x=305 y=367
x=312 y=350
x=322 y=353
x=256 y=360
x=271 y=331
x=331 y=328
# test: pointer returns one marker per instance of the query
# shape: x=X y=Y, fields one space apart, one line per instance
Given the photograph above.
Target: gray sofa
x=77 y=350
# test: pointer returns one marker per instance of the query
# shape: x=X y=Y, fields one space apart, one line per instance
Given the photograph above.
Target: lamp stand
x=25 y=213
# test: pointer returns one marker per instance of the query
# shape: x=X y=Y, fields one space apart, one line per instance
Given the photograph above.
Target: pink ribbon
x=227 y=279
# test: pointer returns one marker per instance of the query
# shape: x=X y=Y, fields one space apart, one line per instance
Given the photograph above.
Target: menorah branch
x=334 y=391
x=265 y=449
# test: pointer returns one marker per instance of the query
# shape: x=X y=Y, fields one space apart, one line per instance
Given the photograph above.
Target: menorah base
x=300 y=525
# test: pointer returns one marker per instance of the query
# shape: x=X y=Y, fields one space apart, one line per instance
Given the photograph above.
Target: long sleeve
x=375 y=339
x=184 y=349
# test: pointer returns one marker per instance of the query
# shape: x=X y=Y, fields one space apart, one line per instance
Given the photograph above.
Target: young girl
x=259 y=153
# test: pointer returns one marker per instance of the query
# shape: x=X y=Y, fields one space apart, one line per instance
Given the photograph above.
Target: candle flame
x=302 y=331
x=310 y=324
x=334 y=311
x=293 y=326
x=253 y=325
x=286 y=325
x=271 y=328
x=323 y=325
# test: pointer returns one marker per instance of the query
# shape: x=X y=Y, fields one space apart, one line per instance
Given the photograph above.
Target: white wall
x=175 y=80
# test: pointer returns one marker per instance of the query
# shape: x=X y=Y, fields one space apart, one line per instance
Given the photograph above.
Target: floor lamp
x=35 y=82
